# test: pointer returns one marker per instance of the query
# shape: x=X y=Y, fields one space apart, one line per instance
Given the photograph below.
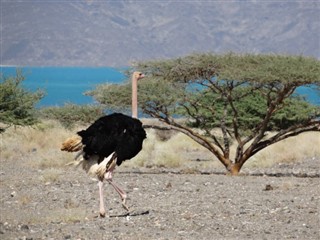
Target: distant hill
x=115 y=33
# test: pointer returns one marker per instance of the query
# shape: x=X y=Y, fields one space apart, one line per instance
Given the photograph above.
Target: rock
x=268 y=187
x=24 y=227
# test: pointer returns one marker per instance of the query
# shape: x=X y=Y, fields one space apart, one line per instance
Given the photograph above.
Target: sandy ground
x=281 y=202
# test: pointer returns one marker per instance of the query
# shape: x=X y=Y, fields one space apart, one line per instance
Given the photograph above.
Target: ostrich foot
x=124 y=205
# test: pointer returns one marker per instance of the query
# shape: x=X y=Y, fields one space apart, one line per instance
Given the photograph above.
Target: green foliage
x=250 y=110
x=117 y=97
x=69 y=115
x=17 y=105
x=159 y=96
x=114 y=96
x=260 y=68
x=295 y=111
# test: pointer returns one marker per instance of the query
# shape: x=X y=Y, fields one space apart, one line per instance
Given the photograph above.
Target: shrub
x=70 y=115
x=17 y=105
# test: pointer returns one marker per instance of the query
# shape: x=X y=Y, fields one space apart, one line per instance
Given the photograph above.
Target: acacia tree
x=244 y=96
x=17 y=105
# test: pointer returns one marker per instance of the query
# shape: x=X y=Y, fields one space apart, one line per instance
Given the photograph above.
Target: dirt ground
x=281 y=202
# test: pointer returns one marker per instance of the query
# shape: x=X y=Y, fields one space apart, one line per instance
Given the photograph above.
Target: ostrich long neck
x=134 y=97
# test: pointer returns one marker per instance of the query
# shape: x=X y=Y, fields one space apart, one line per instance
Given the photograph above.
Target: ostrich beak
x=141 y=75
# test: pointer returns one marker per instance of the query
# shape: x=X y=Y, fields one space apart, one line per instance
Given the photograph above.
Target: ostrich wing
x=131 y=142
x=102 y=137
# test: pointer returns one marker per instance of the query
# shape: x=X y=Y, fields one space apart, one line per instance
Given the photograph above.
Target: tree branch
x=260 y=130
x=187 y=131
x=225 y=132
x=287 y=133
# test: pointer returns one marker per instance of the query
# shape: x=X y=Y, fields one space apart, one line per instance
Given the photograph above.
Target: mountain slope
x=115 y=33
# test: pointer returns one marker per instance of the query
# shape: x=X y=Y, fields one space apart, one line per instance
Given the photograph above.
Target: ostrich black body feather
x=117 y=133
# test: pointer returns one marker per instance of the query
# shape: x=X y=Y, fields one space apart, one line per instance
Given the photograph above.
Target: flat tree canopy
x=243 y=95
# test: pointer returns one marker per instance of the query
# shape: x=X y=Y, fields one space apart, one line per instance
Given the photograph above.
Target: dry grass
x=40 y=147
x=68 y=215
x=40 y=143
x=293 y=149
x=172 y=153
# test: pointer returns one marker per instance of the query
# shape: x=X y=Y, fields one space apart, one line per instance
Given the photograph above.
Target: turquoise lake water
x=67 y=84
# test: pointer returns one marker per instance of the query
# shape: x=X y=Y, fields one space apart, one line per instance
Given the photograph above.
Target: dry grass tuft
x=51 y=175
x=25 y=200
x=67 y=215
x=171 y=153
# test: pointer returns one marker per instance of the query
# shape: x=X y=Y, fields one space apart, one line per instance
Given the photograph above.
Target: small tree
x=17 y=105
x=242 y=95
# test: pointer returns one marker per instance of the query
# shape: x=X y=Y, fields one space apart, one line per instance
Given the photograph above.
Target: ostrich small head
x=138 y=75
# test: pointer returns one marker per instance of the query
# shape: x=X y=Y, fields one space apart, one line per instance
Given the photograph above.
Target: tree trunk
x=234 y=169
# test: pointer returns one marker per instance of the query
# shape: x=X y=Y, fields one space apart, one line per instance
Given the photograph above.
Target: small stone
x=268 y=187
x=25 y=227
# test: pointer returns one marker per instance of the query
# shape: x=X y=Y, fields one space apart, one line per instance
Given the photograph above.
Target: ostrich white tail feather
x=76 y=162
x=90 y=165
x=107 y=164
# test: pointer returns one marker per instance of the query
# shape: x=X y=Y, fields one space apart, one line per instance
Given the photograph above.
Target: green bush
x=70 y=114
x=17 y=105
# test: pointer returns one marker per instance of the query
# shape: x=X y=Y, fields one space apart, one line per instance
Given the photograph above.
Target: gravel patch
x=281 y=202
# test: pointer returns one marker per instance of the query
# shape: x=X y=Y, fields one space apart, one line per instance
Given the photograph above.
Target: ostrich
x=108 y=142
x=135 y=77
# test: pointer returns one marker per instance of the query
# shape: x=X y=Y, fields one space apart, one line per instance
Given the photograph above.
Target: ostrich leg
x=123 y=195
x=105 y=171
x=102 y=210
